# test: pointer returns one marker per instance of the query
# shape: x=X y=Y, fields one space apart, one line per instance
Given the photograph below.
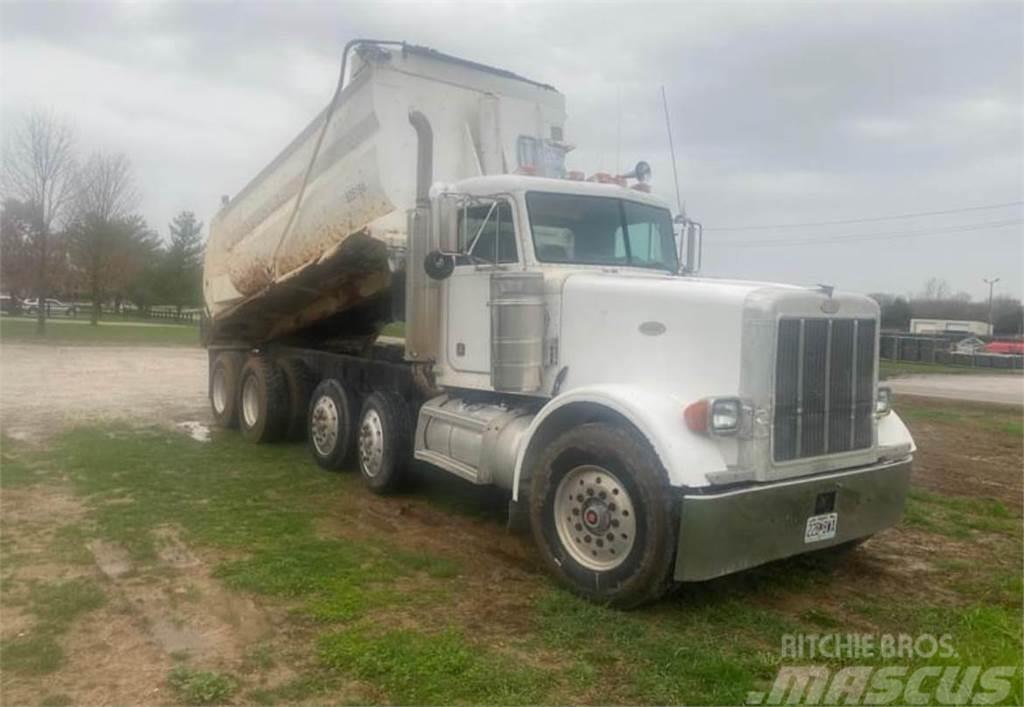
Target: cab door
x=487 y=235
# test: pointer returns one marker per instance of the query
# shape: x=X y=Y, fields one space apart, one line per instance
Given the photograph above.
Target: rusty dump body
x=311 y=246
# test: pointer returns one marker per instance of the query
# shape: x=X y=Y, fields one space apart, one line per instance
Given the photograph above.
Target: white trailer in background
x=656 y=426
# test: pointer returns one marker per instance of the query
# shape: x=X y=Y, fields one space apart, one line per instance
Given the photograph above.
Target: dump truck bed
x=320 y=230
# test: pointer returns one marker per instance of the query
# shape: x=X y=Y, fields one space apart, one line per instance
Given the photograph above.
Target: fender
x=894 y=439
x=685 y=455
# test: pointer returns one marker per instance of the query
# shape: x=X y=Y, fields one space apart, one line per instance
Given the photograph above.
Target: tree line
x=938 y=301
x=72 y=228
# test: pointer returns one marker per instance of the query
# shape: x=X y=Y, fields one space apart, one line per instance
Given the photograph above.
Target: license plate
x=821 y=527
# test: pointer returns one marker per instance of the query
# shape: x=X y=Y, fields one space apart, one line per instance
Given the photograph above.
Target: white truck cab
x=655 y=426
x=564 y=305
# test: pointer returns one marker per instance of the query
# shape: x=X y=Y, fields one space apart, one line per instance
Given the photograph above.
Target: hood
x=681 y=335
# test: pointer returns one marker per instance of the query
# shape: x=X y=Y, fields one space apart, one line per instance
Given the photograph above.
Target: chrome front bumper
x=721 y=533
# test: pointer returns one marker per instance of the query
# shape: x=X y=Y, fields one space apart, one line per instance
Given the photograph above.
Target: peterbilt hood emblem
x=652 y=328
x=829 y=306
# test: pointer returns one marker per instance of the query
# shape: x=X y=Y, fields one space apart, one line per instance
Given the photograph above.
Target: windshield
x=594 y=230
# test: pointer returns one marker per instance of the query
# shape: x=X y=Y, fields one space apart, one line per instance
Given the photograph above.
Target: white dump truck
x=654 y=426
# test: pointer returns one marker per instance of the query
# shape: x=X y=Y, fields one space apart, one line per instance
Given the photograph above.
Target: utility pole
x=991 y=283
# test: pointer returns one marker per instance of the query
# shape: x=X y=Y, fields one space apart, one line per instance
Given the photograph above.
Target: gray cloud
x=783 y=112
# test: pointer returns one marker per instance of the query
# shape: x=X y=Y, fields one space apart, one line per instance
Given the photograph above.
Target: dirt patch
x=967 y=459
x=46 y=388
x=112 y=560
x=156 y=615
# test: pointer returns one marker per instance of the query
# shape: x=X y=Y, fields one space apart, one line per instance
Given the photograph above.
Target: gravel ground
x=44 y=387
x=1003 y=388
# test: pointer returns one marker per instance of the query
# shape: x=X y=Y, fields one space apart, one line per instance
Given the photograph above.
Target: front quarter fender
x=685 y=455
x=894 y=439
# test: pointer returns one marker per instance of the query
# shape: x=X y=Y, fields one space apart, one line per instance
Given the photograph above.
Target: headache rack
x=824 y=387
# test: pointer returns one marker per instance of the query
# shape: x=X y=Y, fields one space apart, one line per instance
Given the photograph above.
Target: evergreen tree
x=184 y=261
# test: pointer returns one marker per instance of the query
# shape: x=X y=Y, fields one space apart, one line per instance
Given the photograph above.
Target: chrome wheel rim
x=251 y=401
x=595 y=517
x=371 y=443
x=220 y=391
x=324 y=426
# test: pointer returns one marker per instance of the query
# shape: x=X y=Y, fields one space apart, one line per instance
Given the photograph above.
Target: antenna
x=672 y=150
x=618 y=129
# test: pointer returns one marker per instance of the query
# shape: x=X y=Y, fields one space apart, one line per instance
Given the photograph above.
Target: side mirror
x=691 y=243
x=438 y=265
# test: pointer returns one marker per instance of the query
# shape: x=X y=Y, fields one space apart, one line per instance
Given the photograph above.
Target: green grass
x=70 y=545
x=958 y=517
x=1001 y=420
x=55 y=607
x=394 y=329
x=895 y=369
x=32 y=654
x=69 y=332
x=201 y=687
x=15 y=470
x=376 y=620
x=417 y=668
x=238 y=497
x=58 y=605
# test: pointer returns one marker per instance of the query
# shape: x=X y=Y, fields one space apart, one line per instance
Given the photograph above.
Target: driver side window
x=488 y=232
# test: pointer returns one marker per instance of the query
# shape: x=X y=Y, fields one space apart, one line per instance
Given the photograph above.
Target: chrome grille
x=824 y=377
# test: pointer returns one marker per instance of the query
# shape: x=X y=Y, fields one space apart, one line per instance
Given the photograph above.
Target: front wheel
x=603 y=517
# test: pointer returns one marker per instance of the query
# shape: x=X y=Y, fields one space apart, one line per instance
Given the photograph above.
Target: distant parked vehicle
x=970 y=345
x=9 y=304
x=53 y=306
x=1005 y=347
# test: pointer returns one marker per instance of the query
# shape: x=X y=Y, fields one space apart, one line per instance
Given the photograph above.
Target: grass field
x=300 y=586
x=895 y=369
x=115 y=330
x=80 y=331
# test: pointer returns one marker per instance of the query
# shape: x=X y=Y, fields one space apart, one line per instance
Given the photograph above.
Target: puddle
x=19 y=434
x=196 y=430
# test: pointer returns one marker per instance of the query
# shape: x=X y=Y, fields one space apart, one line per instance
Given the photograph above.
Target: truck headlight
x=715 y=416
x=883 y=401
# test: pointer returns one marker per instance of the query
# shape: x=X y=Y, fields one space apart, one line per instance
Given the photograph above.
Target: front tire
x=603 y=516
x=384 y=441
x=262 y=401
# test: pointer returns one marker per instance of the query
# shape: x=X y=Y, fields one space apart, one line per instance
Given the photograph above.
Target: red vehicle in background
x=1004 y=347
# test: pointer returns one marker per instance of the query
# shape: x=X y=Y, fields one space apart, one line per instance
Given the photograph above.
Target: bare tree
x=105 y=229
x=936 y=288
x=39 y=171
x=106 y=188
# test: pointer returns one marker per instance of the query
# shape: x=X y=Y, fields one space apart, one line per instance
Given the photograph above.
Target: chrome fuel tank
x=517 y=331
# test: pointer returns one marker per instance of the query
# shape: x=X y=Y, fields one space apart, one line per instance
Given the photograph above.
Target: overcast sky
x=782 y=112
